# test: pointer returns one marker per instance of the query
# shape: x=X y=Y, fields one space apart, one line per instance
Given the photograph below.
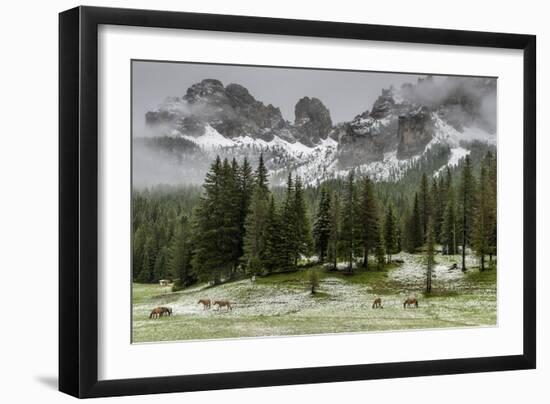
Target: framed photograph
x=251 y=201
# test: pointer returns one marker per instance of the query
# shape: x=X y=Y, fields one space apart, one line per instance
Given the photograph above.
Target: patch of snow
x=211 y=139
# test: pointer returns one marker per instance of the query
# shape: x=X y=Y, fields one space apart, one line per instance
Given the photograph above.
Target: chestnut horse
x=377 y=304
x=223 y=303
x=206 y=303
x=160 y=311
x=411 y=301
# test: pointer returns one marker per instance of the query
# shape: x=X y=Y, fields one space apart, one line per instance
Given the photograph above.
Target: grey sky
x=345 y=94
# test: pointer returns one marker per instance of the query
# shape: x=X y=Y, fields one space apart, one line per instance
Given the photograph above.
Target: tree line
x=241 y=226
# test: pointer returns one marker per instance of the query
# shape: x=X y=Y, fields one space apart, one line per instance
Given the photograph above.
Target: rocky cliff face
x=401 y=125
x=312 y=122
x=414 y=131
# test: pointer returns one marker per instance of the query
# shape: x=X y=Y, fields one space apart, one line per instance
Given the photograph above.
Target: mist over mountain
x=186 y=132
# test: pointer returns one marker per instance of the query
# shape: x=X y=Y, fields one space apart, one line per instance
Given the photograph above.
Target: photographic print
x=271 y=201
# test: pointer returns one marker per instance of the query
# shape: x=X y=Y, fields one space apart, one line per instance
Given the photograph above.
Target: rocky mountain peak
x=312 y=120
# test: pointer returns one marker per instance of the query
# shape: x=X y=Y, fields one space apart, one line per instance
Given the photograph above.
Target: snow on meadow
x=282 y=304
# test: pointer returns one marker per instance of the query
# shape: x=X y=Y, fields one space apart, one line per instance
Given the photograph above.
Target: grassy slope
x=281 y=305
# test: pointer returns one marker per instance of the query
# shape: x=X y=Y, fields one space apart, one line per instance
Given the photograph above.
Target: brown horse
x=411 y=301
x=206 y=303
x=377 y=304
x=160 y=311
x=223 y=303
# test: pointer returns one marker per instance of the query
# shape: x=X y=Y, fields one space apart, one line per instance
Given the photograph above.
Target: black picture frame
x=78 y=201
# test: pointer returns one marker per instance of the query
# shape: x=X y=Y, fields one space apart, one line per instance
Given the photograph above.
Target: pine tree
x=436 y=192
x=274 y=258
x=231 y=212
x=321 y=227
x=246 y=188
x=261 y=175
x=210 y=256
x=288 y=227
x=351 y=230
x=449 y=228
x=335 y=231
x=467 y=206
x=379 y=250
x=179 y=264
x=430 y=247
x=414 y=227
x=391 y=232
x=425 y=205
x=368 y=219
x=303 y=238
x=256 y=233
x=485 y=217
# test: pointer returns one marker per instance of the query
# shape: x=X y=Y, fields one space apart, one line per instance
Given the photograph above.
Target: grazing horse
x=206 y=303
x=222 y=303
x=411 y=301
x=160 y=311
x=377 y=304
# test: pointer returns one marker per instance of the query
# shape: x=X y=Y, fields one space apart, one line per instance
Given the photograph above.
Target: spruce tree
x=246 y=189
x=379 y=250
x=467 y=206
x=391 y=232
x=425 y=205
x=303 y=238
x=288 y=226
x=368 y=219
x=351 y=230
x=335 y=231
x=414 y=226
x=231 y=211
x=485 y=215
x=256 y=232
x=274 y=257
x=449 y=227
x=179 y=264
x=430 y=247
x=321 y=227
x=210 y=256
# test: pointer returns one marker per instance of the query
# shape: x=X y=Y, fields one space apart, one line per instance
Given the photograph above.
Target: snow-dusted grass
x=282 y=305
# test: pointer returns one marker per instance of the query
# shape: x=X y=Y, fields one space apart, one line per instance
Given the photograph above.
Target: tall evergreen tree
x=231 y=213
x=351 y=227
x=246 y=189
x=414 y=227
x=485 y=215
x=303 y=238
x=321 y=227
x=368 y=219
x=210 y=256
x=430 y=247
x=256 y=222
x=379 y=250
x=179 y=264
x=449 y=227
x=467 y=206
x=426 y=205
x=289 y=226
x=335 y=231
x=274 y=257
x=391 y=232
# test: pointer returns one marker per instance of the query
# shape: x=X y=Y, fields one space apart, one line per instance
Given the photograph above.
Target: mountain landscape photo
x=265 y=200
